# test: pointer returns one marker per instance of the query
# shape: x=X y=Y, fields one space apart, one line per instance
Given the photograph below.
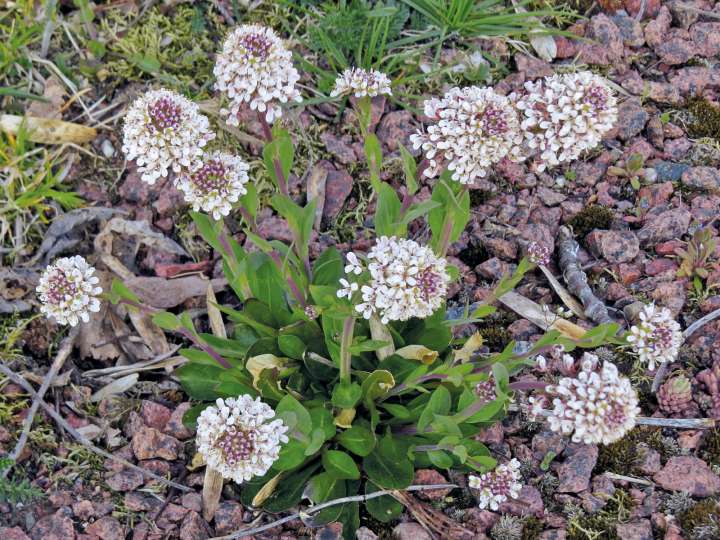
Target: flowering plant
x=341 y=374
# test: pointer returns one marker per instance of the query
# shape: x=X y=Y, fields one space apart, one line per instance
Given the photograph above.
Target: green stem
x=345 y=342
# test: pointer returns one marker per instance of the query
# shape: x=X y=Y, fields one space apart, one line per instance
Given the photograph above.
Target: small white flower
x=354 y=266
x=406 y=280
x=361 y=83
x=164 y=132
x=255 y=70
x=474 y=128
x=216 y=184
x=68 y=291
x=237 y=439
x=657 y=337
x=497 y=486
x=564 y=115
x=596 y=407
x=347 y=288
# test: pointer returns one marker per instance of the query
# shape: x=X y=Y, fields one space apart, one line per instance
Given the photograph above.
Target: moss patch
x=706 y=119
x=621 y=457
x=601 y=525
x=699 y=516
x=590 y=218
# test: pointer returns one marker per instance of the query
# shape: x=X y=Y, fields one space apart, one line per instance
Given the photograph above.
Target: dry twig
x=79 y=437
x=60 y=357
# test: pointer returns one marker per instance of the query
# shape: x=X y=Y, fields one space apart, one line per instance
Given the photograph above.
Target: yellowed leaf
x=380 y=332
x=344 y=418
x=216 y=321
x=473 y=343
x=266 y=490
x=47 y=130
x=418 y=352
x=197 y=462
x=257 y=364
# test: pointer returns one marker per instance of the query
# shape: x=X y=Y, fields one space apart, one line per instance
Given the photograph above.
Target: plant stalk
x=345 y=342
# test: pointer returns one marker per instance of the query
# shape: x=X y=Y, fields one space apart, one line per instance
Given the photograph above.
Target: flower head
x=406 y=280
x=255 y=69
x=497 y=486
x=473 y=129
x=597 y=406
x=538 y=254
x=68 y=290
x=236 y=438
x=216 y=184
x=164 y=132
x=657 y=336
x=564 y=115
x=361 y=83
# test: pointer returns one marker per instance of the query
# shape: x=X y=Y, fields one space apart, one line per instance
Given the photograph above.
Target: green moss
x=481 y=196
x=711 y=447
x=705 y=119
x=699 y=515
x=602 y=524
x=590 y=218
x=175 y=49
x=495 y=337
x=474 y=254
x=532 y=528
x=622 y=456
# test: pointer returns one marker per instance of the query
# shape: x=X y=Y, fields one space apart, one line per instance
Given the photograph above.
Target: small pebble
x=108 y=149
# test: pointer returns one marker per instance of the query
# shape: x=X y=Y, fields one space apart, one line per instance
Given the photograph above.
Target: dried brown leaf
x=47 y=130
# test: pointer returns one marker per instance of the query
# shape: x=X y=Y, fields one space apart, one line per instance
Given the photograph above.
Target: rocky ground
x=655 y=483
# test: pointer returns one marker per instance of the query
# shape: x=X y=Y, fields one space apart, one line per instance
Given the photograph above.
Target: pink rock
x=57 y=526
x=661 y=225
x=629 y=273
x=652 y=7
x=669 y=248
x=150 y=443
x=706 y=36
x=529 y=502
x=574 y=473
x=395 y=129
x=154 y=415
x=175 y=427
x=656 y=30
x=704 y=178
x=228 y=517
x=410 y=531
x=614 y=246
x=192 y=501
x=635 y=530
x=107 y=528
x=659 y=266
x=689 y=474
x=13 y=533
x=428 y=477
x=83 y=510
x=125 y=480
x=193 y=527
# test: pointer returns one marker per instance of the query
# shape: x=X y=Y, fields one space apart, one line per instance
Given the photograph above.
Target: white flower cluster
x=405 y=280
x=236 y=439
x=497 y=486
x=68 y=290
x=474 y=129
x=564 y=115
x=657 y=337
x=256 y=69
x=596 y=406
x=552 y=120
x=361 y=83
x=216 y=184
x=164 y=132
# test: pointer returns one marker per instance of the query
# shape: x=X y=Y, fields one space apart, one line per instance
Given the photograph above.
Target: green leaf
x=190 y=417
x=388 y=465
x=324 y=487
x=147 y=63
x=120 y=291
x=209 y=229
x=328 y=268
x=378 y=384
x=293 y=414
x=291 y=346
x=410 y=169
x=199 y=381
x=280 y=149
x=249 y=201
x=440 y=459
x=292 y=454
x=167 y=321
x=268 y=285
x=454 y=209
x=387 y=212
x=290 y=495
x=340 y=465
x=346 y=395
x=358 y=439
x=322 y=419
x=384 y=508
x=373 y=154
x=439 y=404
